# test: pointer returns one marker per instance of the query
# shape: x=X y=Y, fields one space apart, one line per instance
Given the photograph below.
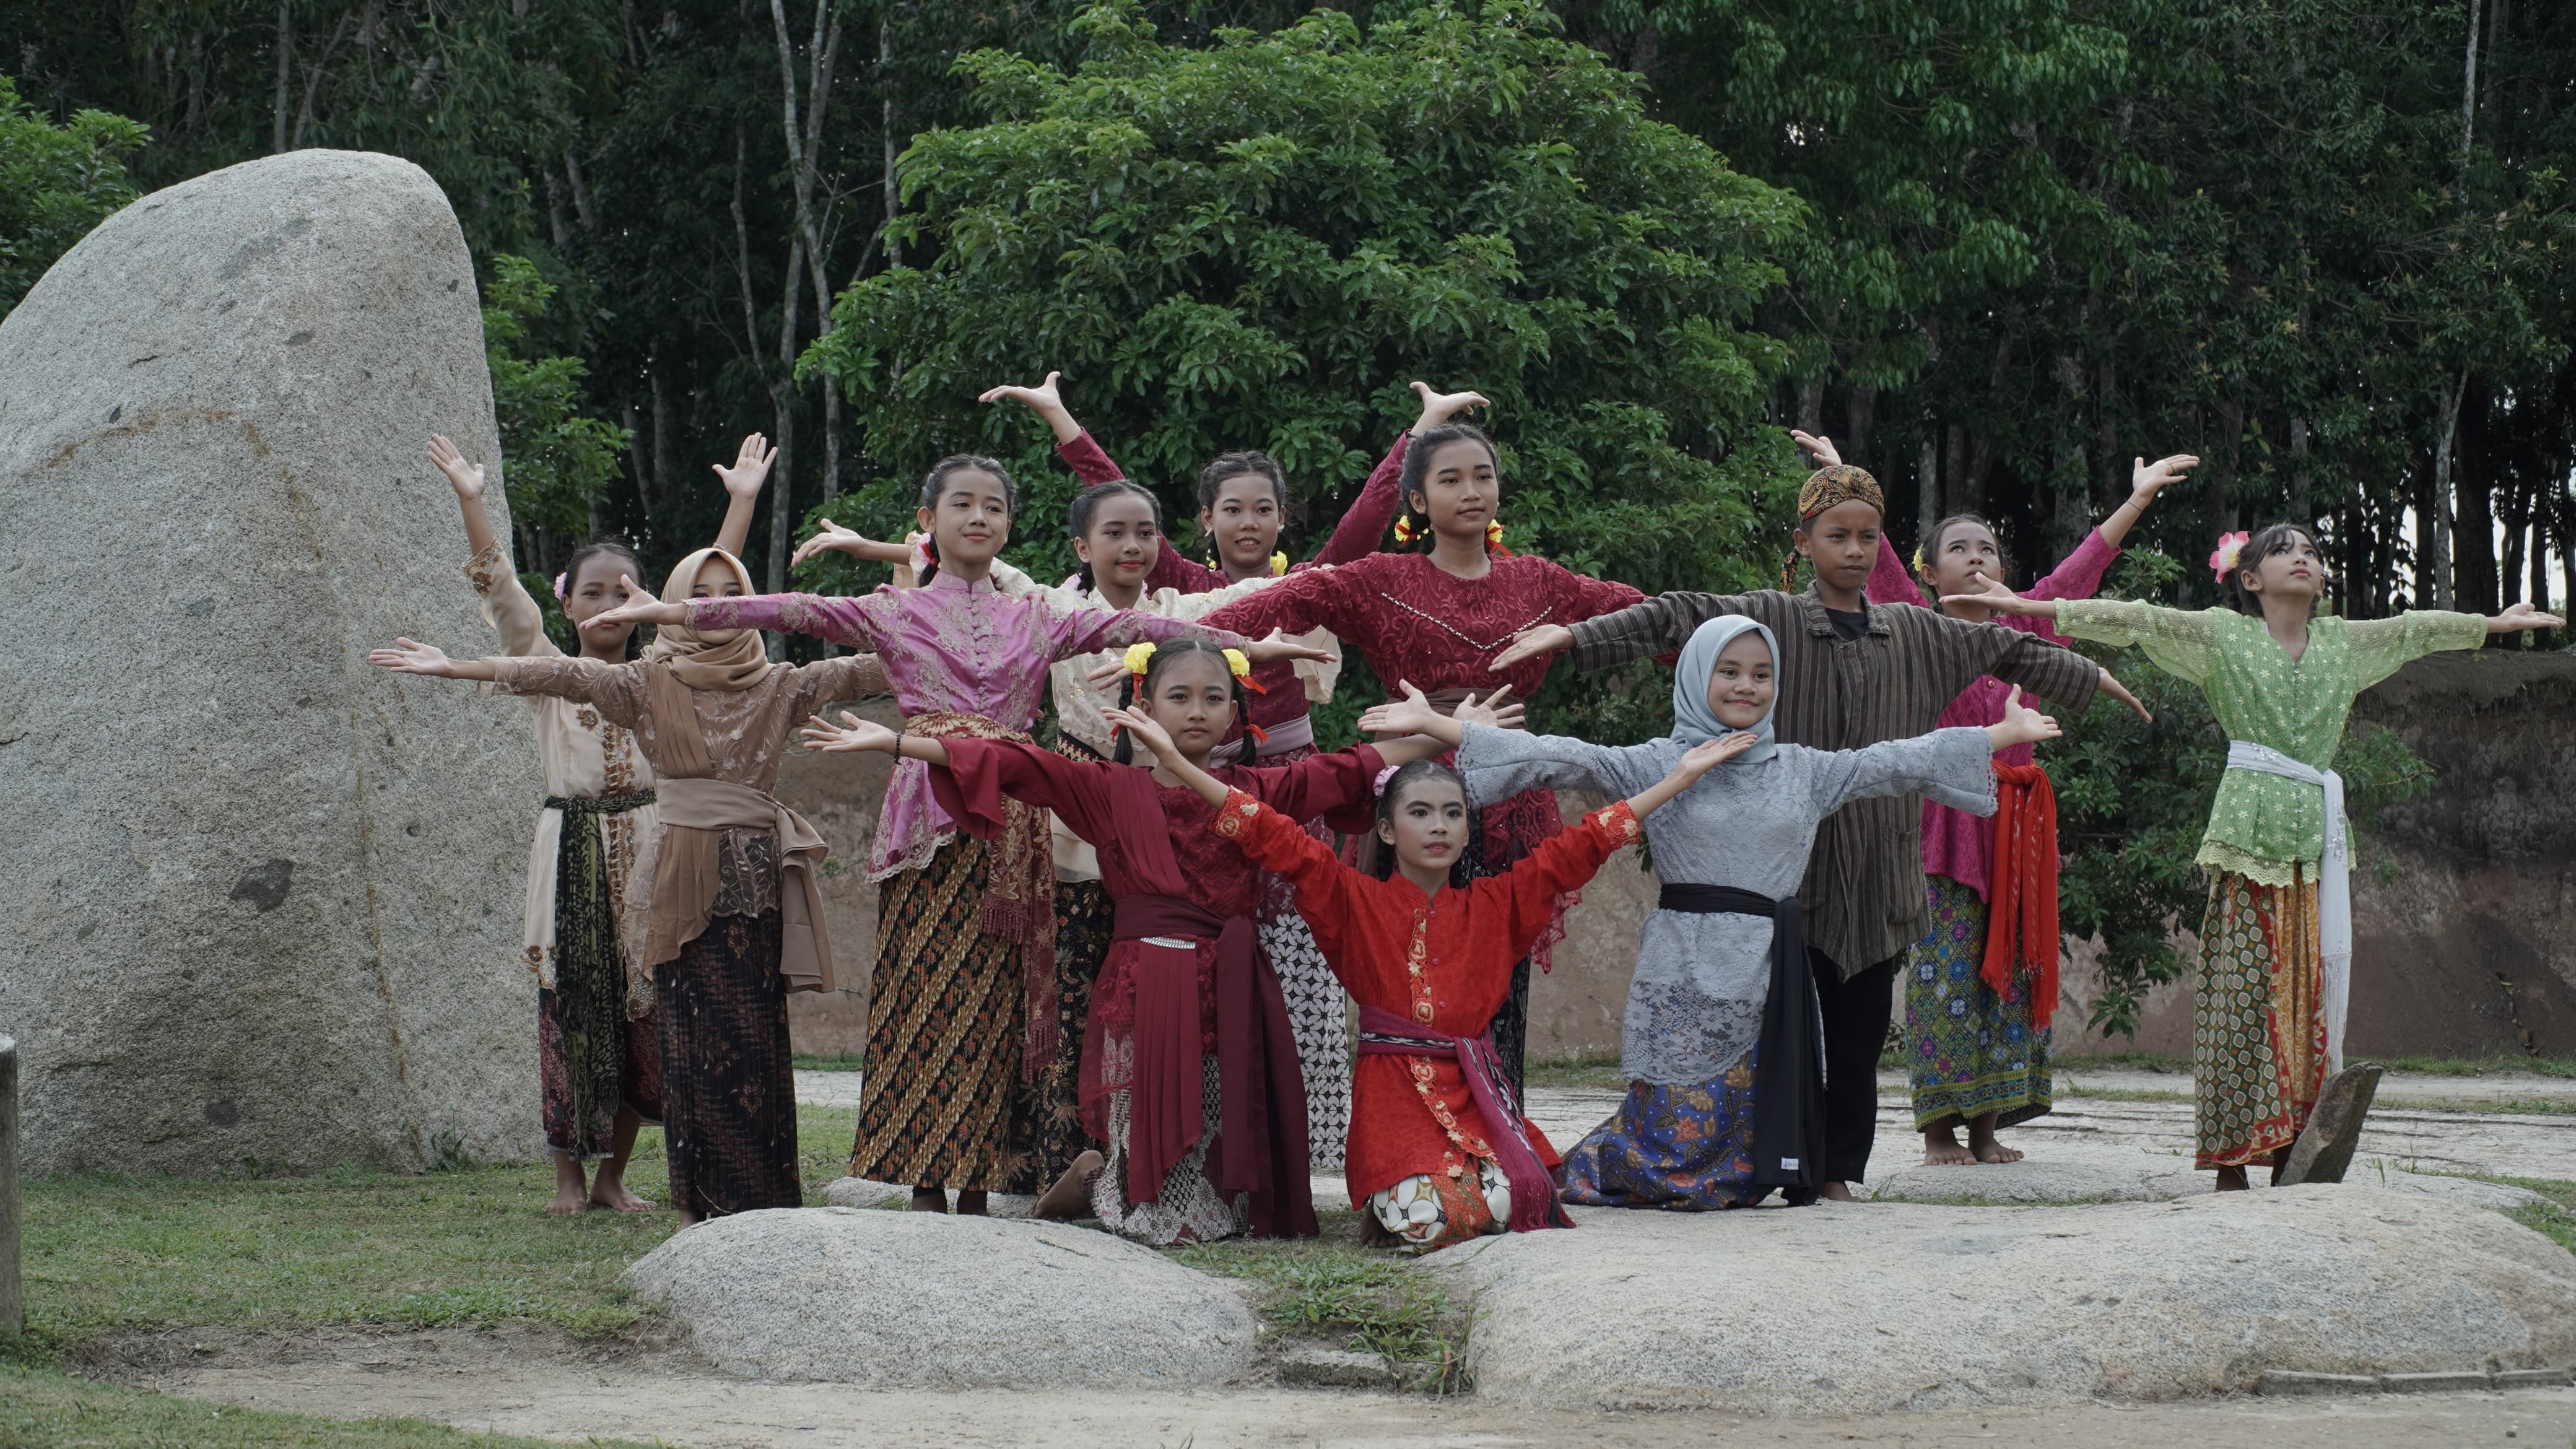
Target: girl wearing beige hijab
x=731 y=920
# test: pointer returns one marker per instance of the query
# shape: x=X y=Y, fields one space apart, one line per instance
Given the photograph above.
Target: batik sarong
x=728 y=1081
x=1687 y=1148
x=1971 y=1049
x=945 y=1031
x=2258 y=1041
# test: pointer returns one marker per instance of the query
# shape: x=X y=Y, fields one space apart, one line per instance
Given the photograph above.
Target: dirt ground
x=539 y=1383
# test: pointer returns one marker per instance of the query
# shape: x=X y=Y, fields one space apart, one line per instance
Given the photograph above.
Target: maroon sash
x=1260 y=1146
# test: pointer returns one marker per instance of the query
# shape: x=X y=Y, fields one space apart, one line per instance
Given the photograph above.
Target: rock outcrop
x=1885 y=1306
x=927 y=1300
x=261 y=899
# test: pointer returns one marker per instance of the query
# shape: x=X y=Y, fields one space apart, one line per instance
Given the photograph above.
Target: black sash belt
x=1788 y=1076
x=600 y=804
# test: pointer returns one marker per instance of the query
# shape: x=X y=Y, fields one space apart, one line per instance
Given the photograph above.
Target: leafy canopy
x=56 y=182
x=1258 y=244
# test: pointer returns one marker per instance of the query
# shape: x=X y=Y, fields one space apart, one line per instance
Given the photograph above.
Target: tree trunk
x=285 y=76
x=661 y=427
x=2434 y=580
x=885 y=131
x=1857 y=408
x=1927 y=484
x=1811 y=405
x=2299 y=476
x=2473 y=545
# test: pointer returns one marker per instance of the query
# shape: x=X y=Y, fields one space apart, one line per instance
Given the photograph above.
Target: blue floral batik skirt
x=1971 y=1049
x=1684 y=1148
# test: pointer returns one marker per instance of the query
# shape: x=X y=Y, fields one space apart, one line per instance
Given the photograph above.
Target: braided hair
x=1470 y=863
x=1142 y=687
x=936 y=483
x=1417 y=468
x=2267 y=541
x=1077 y=518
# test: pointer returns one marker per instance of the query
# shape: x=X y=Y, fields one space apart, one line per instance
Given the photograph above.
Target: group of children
x=1110 y=969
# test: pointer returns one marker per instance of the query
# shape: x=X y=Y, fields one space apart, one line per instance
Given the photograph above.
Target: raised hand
x=1280 y=646
x=2146 y=478
x=2120 y=692
x=1440 y=407
x=832 y=537
x=1990 y=592
x=640 y=608
x=852 y=735
x=750 y=468
x=1492 y=710
x=1043 y=397
x=466 y=478
x=407 y=657
x=1149 y=732
x=1820 y=451
x=1411 y=715
x=2021 y=725
x=2523 y=616
x=1545 y=639
x=1707 y=755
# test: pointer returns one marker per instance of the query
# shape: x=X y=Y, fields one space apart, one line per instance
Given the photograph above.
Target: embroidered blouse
x=581 y=753
x=948 y=645
x=1444 y=960
x=2263 y=826
x=1955 y=843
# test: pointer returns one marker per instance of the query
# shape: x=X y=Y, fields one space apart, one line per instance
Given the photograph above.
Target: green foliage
x=56 y=182
x=558 y=462
x=1258 y=244
x=2133 y=798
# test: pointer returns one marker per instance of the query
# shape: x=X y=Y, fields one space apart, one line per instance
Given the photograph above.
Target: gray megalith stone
x=1876 y=1307
x=262 y=899
x=927 y=1300
x=2324 y=1147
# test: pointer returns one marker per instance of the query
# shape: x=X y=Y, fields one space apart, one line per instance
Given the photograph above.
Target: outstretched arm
x=854 y=735
x=506 y=604
x=2145 y=481
x=742 y=483
x=1413 y=715
x=1660 y=625
x=409 y=657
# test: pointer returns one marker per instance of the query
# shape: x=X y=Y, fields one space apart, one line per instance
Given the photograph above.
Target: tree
x=56 y=183
x=559 y=464
x=1259 y=243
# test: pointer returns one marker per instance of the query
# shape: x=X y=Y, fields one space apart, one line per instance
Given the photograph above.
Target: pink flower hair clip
x=921 y=560
x=1378 y=786
x=560 y=596
x=2231 y=547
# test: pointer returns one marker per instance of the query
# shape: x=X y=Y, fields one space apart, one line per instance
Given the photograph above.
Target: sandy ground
x=535 y=1383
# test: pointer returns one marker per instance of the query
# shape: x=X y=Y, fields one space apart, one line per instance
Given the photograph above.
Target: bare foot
x=1981 y=1141
x=1072 y=1192
x=930 y=1199
x=2232 y=1179
x=971 y=1204
x=1941 y=1149
x=611 y=1193
x=572 y=1193
x=1837 y=1192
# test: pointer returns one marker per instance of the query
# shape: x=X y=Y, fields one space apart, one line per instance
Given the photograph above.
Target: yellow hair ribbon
x=1404 y=530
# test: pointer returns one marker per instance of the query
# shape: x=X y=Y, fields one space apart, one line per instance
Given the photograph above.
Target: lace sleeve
x=2183 y=643
x=2381 y=647
x=507 y=606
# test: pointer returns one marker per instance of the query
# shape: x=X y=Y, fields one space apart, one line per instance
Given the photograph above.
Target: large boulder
x=261 y=899
x=927 y=1300
x=1885 y=1306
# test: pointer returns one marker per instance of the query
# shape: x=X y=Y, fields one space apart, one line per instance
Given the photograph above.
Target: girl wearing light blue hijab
x=1721 y=1045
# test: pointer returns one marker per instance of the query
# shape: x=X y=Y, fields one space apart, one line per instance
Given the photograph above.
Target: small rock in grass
x=1331 y=1368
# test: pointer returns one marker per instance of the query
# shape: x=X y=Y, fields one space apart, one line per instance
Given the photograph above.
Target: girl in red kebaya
x=1439 y=1149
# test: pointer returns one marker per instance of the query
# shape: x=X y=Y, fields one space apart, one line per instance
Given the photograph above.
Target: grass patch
x=808 y=1062
x=42 y=1409
x=1576 y=1069
x=2133 y=1061
x=2120 y=1094
x=2555 y=1218
x=469 y=1247
x=1365 y=1300
x=2518 y=1066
